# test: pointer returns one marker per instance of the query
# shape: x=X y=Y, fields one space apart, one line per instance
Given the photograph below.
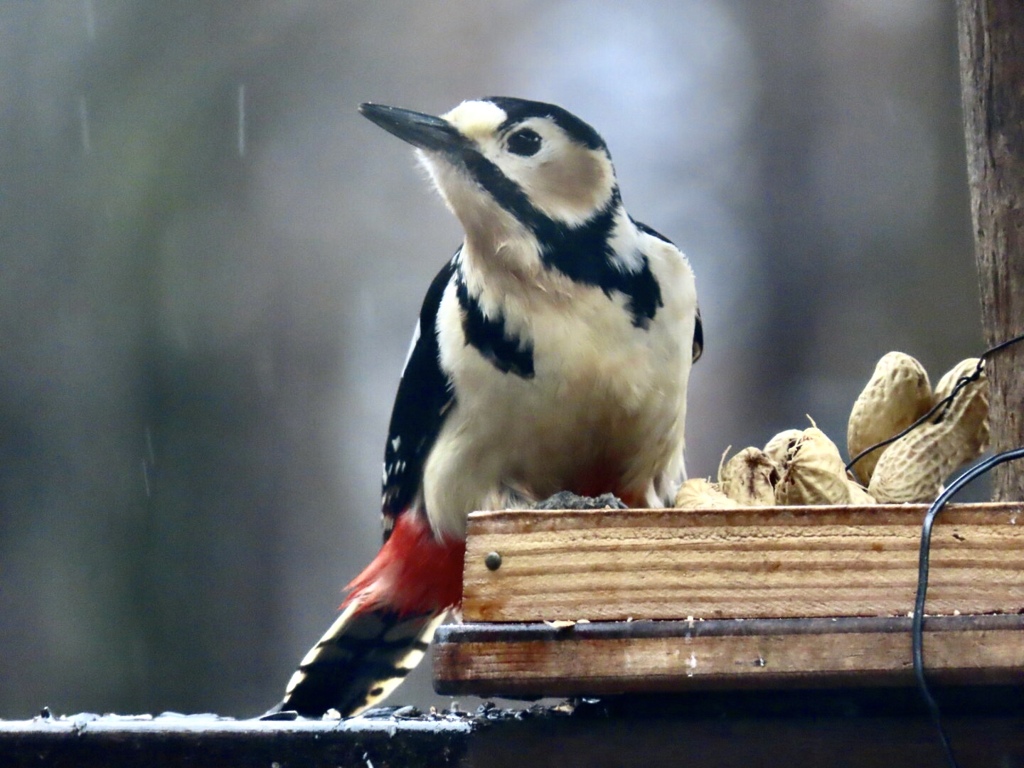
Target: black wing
x=423 y=400
x=698 y=337
x=698 y=327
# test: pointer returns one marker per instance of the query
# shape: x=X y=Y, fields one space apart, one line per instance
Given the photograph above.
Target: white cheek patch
x=571 y=187
x=476 y=119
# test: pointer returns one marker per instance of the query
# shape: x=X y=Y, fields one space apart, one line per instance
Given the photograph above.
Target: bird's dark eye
x=525 y=142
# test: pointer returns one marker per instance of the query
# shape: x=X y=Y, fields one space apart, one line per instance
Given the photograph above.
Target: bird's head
x=509 y=168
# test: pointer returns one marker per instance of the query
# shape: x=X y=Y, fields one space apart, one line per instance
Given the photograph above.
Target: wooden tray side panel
x=767 y=562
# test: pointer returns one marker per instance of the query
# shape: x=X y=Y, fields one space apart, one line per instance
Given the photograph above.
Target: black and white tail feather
x=358 y=662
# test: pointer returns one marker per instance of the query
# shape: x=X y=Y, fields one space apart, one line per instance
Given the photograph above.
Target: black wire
x=943 y=404
x=979 y=469
x=917 y=626
x=1001 y=346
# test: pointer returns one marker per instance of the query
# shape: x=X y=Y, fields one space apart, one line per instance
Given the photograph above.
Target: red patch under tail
x=414 y=572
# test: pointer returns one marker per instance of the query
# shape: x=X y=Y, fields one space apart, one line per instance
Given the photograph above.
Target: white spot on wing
x=412 y=346
x=396 y=442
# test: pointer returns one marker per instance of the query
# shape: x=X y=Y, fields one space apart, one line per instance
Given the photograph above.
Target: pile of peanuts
x=805 y=466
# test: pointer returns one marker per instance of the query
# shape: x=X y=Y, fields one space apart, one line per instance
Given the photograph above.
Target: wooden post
x=992 y=79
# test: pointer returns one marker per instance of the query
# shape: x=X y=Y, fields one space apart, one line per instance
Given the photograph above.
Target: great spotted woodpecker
x=552 y=353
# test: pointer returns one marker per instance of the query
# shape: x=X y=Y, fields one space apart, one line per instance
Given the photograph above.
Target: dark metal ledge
x=871 y=727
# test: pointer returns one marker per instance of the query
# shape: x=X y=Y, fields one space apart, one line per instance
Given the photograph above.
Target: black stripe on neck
x=585 y=254
x=490 y=337
x=582 y=253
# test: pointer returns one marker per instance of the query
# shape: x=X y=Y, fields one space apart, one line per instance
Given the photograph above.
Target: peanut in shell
x=749 y=478
x=914 y=467
x=897 y=394
x=816 y=473
x=780 y=448
x=698 y=493
x=859 y=495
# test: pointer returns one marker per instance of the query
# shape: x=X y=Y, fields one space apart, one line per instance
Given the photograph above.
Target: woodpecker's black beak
x=420 y=130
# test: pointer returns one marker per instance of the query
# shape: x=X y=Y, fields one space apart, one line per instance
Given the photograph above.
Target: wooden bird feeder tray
x=576 y=603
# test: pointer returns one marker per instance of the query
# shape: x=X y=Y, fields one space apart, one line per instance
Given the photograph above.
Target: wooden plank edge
x=499 y=631
x=603 y=658
x=515 y=520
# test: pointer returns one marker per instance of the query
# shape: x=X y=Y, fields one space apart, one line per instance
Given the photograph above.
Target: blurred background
x=210 y=267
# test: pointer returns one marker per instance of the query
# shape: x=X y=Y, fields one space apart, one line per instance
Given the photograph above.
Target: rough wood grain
x=647 y=657
x=992 y=80
x=746 y=563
